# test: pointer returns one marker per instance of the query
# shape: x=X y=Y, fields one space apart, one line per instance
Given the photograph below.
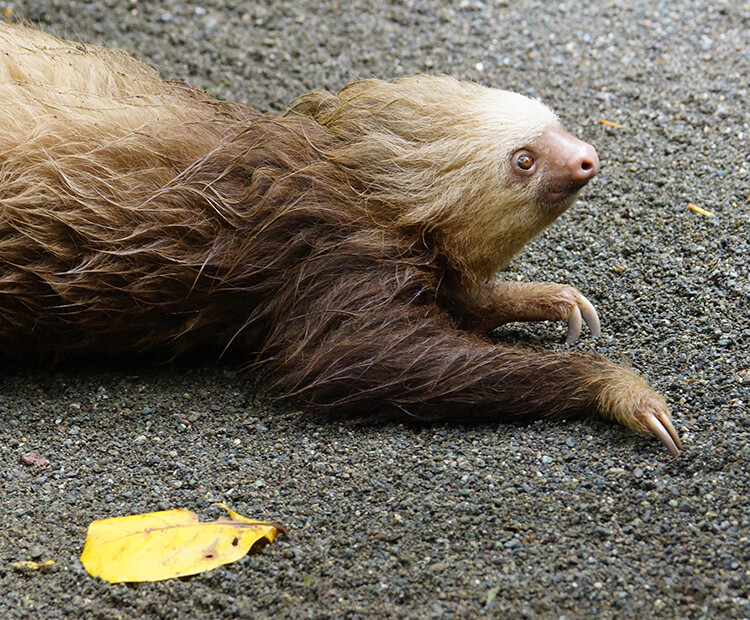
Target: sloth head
x=478 y=171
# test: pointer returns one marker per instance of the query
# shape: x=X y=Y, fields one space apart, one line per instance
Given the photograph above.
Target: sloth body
x=348 y=248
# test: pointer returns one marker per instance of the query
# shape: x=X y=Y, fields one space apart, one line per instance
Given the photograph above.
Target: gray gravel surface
x=577 y=519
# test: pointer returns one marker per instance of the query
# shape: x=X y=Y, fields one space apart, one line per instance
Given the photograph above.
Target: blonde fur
x=436 y=151
x=95 y=119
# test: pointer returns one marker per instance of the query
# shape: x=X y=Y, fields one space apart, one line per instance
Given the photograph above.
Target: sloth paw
x=629 y=401
x=542 y=301
x=569 y=305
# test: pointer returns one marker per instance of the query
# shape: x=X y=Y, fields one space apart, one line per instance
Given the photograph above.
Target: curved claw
x=667 y=423
x=662 y=427
x=574 y=325
x=582 y=311
x=591 y=317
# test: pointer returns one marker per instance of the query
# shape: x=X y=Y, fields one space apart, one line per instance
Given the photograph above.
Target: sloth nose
x=572 y=161
x=584 y=165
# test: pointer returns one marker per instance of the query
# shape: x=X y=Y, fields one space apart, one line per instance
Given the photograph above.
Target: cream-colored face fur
x=439 y=151
x=501 y=210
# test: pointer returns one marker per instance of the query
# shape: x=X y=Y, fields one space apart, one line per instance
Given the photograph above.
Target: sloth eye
x=524 y=162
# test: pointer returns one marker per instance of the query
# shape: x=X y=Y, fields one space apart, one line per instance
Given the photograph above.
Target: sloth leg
x=501 y=302
x=397 y=363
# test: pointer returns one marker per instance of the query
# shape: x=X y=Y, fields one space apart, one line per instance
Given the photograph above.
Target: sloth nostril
x=585 y=166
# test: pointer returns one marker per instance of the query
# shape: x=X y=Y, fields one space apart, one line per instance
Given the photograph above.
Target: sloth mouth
x=561 y=197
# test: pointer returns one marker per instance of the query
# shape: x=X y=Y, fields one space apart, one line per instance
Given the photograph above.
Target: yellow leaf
x=171 y=543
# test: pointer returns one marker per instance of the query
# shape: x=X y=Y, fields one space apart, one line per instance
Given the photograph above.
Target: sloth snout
x=584 y=165
x=571 y=162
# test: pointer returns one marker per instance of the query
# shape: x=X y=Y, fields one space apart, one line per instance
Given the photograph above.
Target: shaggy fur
x=347 y=248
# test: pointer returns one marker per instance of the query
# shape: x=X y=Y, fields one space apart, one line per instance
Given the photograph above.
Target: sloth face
x=558 y=164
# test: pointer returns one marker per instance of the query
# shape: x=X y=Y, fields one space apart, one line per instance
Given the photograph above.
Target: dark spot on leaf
x=210 y=555
x=235 y=542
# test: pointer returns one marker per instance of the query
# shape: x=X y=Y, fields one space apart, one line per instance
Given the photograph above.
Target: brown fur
x=344 y=247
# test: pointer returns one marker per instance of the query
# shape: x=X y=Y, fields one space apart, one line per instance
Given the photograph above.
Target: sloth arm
x=499 y=302
x=410 y=364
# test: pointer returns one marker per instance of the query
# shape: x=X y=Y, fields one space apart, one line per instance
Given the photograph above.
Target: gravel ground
x=576 y=519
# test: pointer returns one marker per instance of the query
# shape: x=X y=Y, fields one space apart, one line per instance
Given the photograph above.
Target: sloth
x=347 y=249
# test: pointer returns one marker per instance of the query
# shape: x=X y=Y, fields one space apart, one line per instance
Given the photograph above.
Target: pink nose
x=571 y=161
x=583 y=164
x=569 y=164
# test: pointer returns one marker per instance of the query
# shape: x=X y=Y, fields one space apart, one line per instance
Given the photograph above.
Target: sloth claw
x=590 y=316
x=575 y=324
x=661 y=426
x=654 y=418
x=582 y=310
